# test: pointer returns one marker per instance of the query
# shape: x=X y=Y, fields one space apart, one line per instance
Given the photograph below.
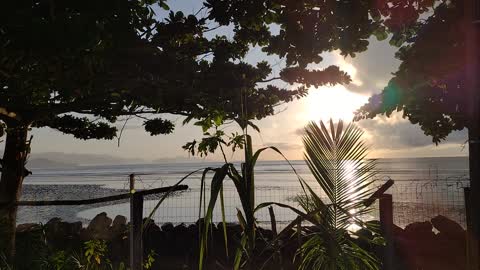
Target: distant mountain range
x=59 y=159
x=47 y=163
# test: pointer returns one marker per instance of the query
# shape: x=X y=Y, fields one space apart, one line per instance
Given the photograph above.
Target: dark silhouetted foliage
x=429 y=86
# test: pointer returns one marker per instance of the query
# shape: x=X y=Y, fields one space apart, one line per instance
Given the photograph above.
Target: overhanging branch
x=11 y=115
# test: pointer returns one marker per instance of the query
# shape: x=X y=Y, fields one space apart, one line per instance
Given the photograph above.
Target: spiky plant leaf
x=337 y=158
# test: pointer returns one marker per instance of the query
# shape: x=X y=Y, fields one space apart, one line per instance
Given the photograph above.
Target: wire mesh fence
x=185 y=208
x=413 y=201
x=42 y=214
x=418 y=201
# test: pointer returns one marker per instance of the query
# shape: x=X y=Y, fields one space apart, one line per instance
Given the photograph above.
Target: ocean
x=424 y=187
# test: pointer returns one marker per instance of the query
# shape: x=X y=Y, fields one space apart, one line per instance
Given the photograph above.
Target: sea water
x=423 y=187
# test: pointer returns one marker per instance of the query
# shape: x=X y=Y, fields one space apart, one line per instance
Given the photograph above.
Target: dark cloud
x=374 y=67
x=402 y=135
x=396 y=134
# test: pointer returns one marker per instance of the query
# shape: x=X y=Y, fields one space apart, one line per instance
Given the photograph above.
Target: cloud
x=373 y=68
x=396 y=133
x=284 y=146
x=401 y=134
x=299 y=131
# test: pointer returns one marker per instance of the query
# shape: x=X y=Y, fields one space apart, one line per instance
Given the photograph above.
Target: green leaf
x=381 y=34
x=239 y=253
x=224 y=222
x=164 y=5
x=218 y=119
x=337 y=159
x=217 y=182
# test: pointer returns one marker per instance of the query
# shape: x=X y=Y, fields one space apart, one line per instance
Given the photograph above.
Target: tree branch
x=121 y=131
x=6 y=113
x=269 y=80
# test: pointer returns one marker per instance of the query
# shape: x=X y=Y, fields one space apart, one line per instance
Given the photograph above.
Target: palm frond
x=337 y=160
x=336 y=156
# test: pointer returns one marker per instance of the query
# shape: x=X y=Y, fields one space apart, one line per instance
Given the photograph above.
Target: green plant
x=150 y=260
x=93 y=257
x=244 y=181
x=337 y=160
x=32 y=250
x=59 y=260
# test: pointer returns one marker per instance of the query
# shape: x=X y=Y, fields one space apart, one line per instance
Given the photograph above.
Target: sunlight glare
x=334 y=102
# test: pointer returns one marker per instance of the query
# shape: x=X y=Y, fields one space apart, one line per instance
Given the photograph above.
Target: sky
x=371 y=70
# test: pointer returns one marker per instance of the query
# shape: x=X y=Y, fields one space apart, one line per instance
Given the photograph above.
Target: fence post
x=136 y=219
x=386 y=226
x=132 y=183
x=472 y=262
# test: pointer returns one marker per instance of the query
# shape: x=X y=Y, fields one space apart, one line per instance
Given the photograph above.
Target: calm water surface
x=420 y=183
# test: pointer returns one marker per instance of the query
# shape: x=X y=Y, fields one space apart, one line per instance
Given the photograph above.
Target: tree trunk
x=472 y=27
x=13 y=173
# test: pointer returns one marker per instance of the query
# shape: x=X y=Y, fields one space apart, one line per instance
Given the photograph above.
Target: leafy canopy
x=78 y=66
x=429 y=86
x=299 y=32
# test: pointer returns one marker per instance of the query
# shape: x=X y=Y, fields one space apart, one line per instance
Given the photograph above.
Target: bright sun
x=334 y=102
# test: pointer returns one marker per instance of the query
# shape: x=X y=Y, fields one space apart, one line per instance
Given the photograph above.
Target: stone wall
x=436 y=244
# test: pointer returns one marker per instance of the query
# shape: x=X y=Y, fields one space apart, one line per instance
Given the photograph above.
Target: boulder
x=151 y=226
x=193 y=228
x=397 y=231
x=167 y=227
x=61 y=234
x=119 y=221
x=119 y=226
x=447 y=226
x=99 y=228
x=234 y=229
x=181 y=229
x=100 y=222
x=419 y=230
x=28 y=227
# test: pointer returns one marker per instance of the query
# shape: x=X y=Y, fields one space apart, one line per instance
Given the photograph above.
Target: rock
x=397 y=231
x=234 y=229
x=99 y=227
x=61 y=234
x=192 y=228
x=100 y=222
x=181 y=229
x=167 y=227
x=119 y=226
x=69 y=228
x=54 y=220
x=28 y=227
x=151 y=226
x=419 y=229
x=119 y=221
x=447 y=226
x=200 y=222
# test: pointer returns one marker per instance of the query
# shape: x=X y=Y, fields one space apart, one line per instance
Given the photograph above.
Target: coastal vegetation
x=83 y=67
x=80 y=67
x=337 y=159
